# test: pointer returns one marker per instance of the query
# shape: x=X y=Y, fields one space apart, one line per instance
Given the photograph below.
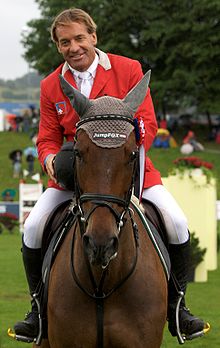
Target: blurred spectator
x=217 y=138
x=35 y=116
x=8 y=195
x=19 y=120
x=26 y=120
x=190 y=144
x=11 y=122
x=16 y=157
x=30 y=161
x=163 y=139
x=172 y=124
x=163 y=123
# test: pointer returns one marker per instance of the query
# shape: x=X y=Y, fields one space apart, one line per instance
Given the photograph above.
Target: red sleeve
x=50 y=136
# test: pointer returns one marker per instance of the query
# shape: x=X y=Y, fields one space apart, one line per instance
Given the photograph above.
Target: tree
x=177 y=40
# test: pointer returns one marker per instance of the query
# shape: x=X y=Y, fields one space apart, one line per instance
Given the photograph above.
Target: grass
x=203 y=298
x=13 y=289
x=162 y=159
x=11 y=141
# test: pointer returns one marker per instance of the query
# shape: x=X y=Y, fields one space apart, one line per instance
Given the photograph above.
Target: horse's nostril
x=114 y=243
x=88 y=242
x=101 y=253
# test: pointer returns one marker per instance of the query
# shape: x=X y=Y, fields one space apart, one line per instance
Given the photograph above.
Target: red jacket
x=115 y=76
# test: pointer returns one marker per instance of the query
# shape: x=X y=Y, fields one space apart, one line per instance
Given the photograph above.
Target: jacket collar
x=100 y=78
x=103 y=61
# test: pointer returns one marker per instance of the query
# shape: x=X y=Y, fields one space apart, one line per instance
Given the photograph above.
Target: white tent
x=3 y=114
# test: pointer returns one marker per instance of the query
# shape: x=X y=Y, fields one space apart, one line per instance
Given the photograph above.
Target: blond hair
x=72 y=15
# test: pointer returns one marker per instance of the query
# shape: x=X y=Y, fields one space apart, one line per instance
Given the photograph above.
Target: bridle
x=102 y=200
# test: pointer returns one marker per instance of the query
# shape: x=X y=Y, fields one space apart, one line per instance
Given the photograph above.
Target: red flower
x=9 y=216
x=192 y=162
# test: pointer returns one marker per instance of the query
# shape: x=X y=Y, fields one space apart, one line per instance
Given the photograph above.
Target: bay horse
x=107 y=287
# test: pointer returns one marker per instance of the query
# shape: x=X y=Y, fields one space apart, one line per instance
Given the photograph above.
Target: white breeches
x=174 y=218
x=35 y=222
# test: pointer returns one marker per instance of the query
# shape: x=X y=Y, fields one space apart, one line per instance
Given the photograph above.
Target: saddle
x=54 y=221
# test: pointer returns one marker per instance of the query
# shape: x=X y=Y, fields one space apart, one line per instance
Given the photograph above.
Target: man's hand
x=50 y=168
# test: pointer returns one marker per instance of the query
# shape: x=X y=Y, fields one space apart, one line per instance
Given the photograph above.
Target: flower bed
x=192 y=162
x=193 y=166
x=9 y=221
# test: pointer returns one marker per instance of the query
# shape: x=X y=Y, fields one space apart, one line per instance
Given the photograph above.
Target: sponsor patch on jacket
x=61 y=108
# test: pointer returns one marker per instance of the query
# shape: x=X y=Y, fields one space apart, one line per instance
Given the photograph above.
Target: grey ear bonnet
x=108 y=133
x=107 y=105
x=108 y=119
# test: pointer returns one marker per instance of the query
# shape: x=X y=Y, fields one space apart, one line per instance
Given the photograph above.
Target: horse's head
x=106 y=153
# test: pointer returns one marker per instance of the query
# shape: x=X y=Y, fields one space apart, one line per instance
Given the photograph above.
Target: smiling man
x=76 y=44
x=95 y=74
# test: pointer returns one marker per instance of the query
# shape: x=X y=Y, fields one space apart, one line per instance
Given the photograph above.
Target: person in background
x=96 y=73
x=30 y=161
x=16 y=158
x=190 y=138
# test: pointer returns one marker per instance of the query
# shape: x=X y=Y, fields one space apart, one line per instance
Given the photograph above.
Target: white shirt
x=84 y=80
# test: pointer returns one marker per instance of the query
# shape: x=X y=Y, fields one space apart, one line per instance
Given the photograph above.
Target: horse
x=107 y=285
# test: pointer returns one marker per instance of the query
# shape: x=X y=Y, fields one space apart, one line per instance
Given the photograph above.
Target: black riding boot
x=180 y=258
x=32 y=263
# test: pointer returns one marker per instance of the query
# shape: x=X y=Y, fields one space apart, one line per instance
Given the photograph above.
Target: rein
x=98 y=295
x=102 y=200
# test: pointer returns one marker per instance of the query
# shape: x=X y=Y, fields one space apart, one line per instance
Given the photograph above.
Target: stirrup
x=37 y=340
x=182 y=337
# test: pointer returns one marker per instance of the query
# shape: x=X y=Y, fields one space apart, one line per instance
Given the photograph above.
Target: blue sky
x=14 y=15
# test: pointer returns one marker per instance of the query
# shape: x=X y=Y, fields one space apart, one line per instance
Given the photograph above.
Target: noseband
x=102 y=200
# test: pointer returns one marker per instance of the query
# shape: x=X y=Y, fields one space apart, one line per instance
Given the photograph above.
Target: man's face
x=76 y=45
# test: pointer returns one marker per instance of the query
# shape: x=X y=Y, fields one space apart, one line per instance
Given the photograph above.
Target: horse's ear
x=79 y=102
x=136 y=95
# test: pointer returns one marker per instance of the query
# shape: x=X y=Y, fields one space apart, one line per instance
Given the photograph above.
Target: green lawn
x=202 y=298
x=9 y=141
x=162 y=158
x=13 y=289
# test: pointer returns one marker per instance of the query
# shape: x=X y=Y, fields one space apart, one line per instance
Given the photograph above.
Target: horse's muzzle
x=100 y=254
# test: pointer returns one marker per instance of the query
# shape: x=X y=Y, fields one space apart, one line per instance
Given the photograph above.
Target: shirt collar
x=91 y=69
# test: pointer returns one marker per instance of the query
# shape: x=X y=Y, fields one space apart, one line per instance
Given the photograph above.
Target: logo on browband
x=109 y=135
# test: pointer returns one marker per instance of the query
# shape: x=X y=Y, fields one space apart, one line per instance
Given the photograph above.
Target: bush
x=197 y=254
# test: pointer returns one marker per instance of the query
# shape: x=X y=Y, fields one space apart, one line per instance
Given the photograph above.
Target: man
x=96 y=74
